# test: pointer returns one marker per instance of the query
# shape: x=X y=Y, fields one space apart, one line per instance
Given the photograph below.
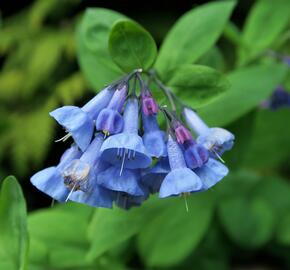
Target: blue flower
x=50 y=180
x=180 y=179
x=126 y=201
x=126 y=150
x=110 y=120
x=279 y=99
x=217 y=140
x=80 y=176
x=211 y=173
x=153 y=177
x=79 y=121
x=128 y=182
x=153 y=137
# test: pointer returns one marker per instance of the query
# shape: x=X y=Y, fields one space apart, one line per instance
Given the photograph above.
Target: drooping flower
x=79 y=122
x=80 y=176
x=126 y=149
x=128 y=182
x=50 y=180
x=180 y=179
x=110 y=120
x=153 y=177
x=195 y=154
x=211 y=173
x=127 y=201
x=216 y=140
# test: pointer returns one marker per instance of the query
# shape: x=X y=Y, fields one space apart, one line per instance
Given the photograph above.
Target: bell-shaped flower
x=128 y=182
x=217 y=140
x=153 y=177
x=195 y=154
x=126 y=150
x=110 y=120
x=127 y=201
x=180 y=179
x=80 y=176
x=211 y=173
x=79 y=122
x=153 y=137
x=50 y=180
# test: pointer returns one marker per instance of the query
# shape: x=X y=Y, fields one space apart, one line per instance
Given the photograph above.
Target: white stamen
x=219 y=157
x=71 y=192
x=123 y=162
x=64 y=138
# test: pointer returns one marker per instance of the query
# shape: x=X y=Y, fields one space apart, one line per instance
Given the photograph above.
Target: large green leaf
x=60 y=234
x=92 y=46
x=248 y=222
x=199 y=83
x=263 y=25
x=175 y=233
x=131 y=46
x=249 y=86
x=13 y=237
x=192 y=35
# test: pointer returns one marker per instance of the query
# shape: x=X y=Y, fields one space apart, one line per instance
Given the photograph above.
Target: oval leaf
x=13 y=228
x=200 y=84
x=92 y=46
x=249 y=86
x=193 y=35
x=131 y=46
x=175 y=233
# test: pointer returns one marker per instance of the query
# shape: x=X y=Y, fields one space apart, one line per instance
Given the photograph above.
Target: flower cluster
x=114 y=160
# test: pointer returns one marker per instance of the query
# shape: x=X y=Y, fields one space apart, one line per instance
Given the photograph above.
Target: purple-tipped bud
x=182 y=133
x=149 y=105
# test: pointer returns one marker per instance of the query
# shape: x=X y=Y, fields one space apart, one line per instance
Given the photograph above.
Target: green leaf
x=193 y=35
x=61 y=234
x=13 y=237
x=283 y=230
x=249 y=223
x=109 y=228
x=249 y=86
x=199 y=83
x=269 y=151
x=263 y=26
x=131 y=46
x=175 y=233
x=92 y=46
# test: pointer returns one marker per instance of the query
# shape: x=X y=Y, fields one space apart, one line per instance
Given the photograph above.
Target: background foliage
x=61 y=52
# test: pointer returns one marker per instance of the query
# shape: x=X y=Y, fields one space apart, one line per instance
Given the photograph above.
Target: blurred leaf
x=283 y=230
x=11 y=83
x=175 y=233
x=249 y=86
x=193 y=35
x=13 y=237
x=263 y=25
x=213 y=58
x=270 y=150
x=62 y=232
x=200 y=83
x=92 y=42
x=131 y=46
x=249 y=223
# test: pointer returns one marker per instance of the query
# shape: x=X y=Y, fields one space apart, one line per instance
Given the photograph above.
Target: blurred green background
x=242 y=223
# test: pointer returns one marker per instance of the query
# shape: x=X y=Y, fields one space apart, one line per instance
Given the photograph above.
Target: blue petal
x=77 y=122
x=211 y=173
x=110 y=121
x=155 y=143
x=50 y=182
x=125 y=141
x=127 y=182
x=180 y=181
